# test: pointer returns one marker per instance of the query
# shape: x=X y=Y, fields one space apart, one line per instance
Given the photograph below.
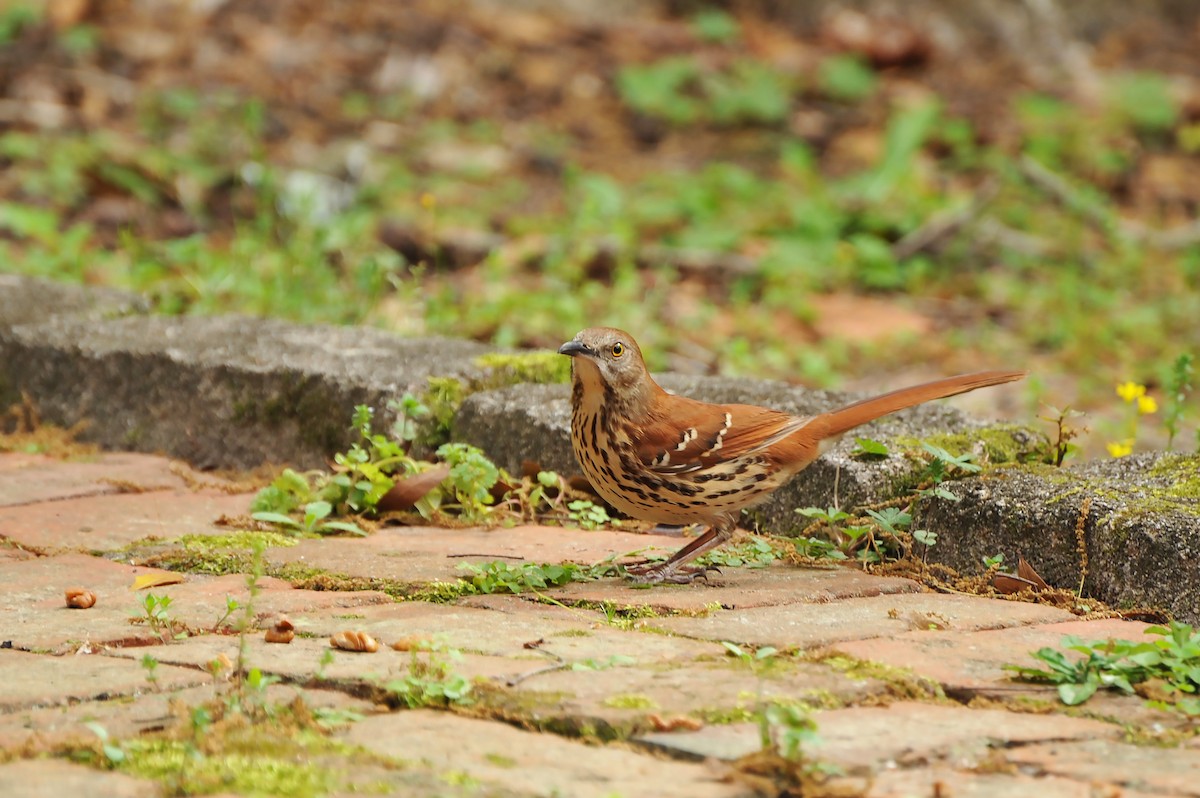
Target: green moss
x=1183 y=470
x=724 y=716
x=500 y=760
x=572 y=633
x=255 y=760
x=630 y=701
x=901 y=682
x=535 y=367
x=237 y=540
x=1003 y=443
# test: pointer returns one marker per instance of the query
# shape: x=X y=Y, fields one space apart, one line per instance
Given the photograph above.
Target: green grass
x=1050 y=280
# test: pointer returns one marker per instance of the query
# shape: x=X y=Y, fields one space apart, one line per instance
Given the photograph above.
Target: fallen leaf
x=675 y=723
x=407 y=492
x=156 y=580
x=1025 y=571
x=1009 y=584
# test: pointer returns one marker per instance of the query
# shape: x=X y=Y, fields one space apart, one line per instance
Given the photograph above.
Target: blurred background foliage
x=825 y=192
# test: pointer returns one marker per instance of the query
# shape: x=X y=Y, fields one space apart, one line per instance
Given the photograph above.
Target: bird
x=674 y=460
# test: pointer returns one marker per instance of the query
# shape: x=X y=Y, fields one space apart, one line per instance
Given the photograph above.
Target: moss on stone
x=1002 y=443
x=901 y=682
x=525 y=367
x=630 y=701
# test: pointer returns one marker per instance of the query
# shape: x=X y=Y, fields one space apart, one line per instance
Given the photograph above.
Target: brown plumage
x=674 y=460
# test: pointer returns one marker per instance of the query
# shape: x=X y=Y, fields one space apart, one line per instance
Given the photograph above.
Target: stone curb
x=235 y=392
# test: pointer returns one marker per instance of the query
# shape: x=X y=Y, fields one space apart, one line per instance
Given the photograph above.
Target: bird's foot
x=663 y=574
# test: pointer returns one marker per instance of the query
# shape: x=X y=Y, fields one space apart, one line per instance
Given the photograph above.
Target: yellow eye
x=618 y=349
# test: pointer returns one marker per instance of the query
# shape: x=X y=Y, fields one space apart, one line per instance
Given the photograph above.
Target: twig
x=1108 y=223
x=560 y=665
x=945 y=224
x=1016 y=240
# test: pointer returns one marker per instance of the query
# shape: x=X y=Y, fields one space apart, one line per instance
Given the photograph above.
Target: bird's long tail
x=835 y=422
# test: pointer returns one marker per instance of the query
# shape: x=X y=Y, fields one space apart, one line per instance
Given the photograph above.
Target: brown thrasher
x=674 y=460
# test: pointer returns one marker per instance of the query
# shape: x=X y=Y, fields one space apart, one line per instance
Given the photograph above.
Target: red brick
x=108 y=522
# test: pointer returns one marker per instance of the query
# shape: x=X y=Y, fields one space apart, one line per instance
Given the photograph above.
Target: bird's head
x=609 y=356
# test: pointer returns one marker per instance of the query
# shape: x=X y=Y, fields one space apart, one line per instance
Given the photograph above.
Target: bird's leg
x=675 y=570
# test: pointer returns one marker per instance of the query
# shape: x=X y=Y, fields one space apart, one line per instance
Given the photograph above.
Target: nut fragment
x=80 y=599
x=354 y=641
x=412 y=643
x=282 y=632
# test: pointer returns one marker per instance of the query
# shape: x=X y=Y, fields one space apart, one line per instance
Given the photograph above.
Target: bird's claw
x=661 y=574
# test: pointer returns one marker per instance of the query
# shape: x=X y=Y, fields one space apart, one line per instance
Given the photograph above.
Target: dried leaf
x=157 y=580
x=1009 y=584
x=675 y=723
x=1025 y=571
x=407 y=492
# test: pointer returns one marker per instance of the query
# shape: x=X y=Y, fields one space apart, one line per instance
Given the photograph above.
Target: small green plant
x=1172 y=660
x=867 y=448
x=1178 y=389
x=994 y=562
x=715 y=25
x=155 y=613
x=472 y=476
x=944 y=465
x=369 y=469
x=500 y=577
x=587 y=514
x=114 y=754
x=756 y=552
x=785 y=728
x=150 y=666
x=231 y=606
x=847 y=78
x=1064 y=433
x=313 y=522
x=782 y=727
x=431 y=679
x=680 y=91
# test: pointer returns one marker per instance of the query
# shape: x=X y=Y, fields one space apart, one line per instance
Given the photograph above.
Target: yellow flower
x=1130 y=391
x=428 y=201
x=1147 y=405
x=1121 y=448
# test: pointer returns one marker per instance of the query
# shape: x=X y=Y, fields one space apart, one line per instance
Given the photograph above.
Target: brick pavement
x=569 y=699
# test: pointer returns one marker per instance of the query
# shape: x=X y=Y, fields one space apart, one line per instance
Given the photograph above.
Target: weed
x=154 y=612
x=587 y=514
x=1062 y=446
x=431 y=679
x=1167 y=668
x=1178 y=389
x=313 y=522
x=114 y=754
x=500 y=577
x=783 y=727
x=472 y=476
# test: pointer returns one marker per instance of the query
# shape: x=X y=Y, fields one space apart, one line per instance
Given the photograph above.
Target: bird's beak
x=573 y=348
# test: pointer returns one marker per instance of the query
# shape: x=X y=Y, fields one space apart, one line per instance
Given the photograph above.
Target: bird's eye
x=618 y=349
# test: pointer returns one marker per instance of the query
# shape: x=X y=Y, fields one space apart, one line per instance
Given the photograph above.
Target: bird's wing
x=686 y=435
